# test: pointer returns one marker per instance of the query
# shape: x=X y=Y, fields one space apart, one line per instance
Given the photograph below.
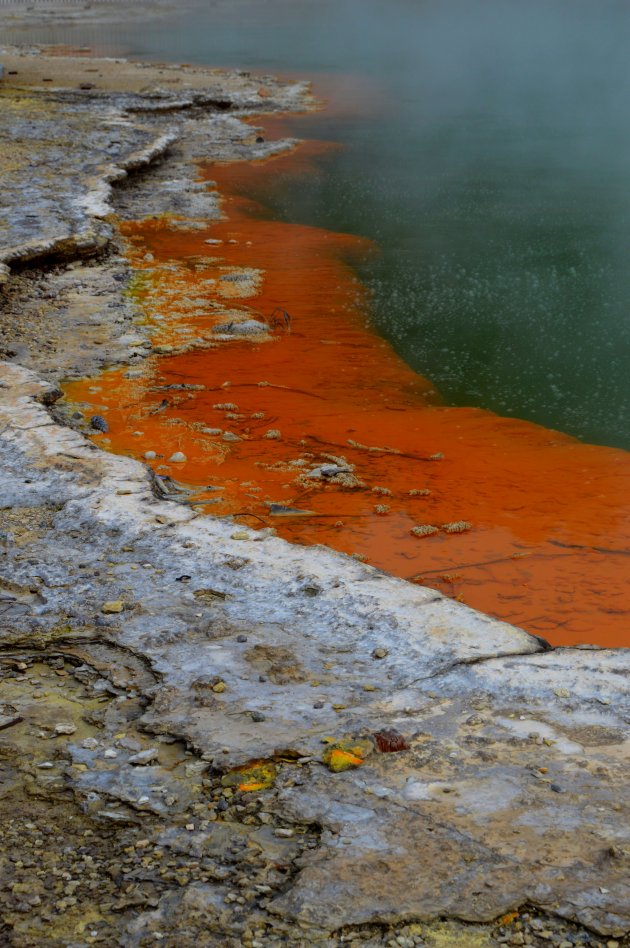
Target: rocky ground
x=208 y=736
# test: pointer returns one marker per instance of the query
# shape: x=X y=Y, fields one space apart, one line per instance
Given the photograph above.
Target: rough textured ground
x=147 y=652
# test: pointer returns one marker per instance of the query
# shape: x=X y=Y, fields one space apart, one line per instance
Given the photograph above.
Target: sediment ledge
x=147 y=653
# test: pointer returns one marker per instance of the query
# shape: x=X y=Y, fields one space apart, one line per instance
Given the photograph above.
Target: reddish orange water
x=548 y=538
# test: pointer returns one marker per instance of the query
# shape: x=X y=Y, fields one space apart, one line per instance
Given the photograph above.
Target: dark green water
x=490 y=159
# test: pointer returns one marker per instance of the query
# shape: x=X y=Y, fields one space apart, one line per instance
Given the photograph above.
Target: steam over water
x=487 y=151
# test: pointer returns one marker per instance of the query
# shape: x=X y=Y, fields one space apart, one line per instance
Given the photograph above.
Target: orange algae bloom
x=520 y=522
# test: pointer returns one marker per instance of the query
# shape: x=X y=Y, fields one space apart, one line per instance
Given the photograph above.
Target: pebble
x=424 y=530
x=380 y=652
x=90 y=743
x=230 y=436
x=150 y=455
x=177 y=458
x=273 y=434
x=64 y=728
x=144 y=757
x=110 y=753
x=112 y=607
x=258 y=716
x=98 y=423
x=241 y=638
x=219 y=688
x=283 y=833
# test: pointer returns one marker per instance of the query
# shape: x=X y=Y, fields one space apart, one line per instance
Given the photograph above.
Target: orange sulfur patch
x=521 y=522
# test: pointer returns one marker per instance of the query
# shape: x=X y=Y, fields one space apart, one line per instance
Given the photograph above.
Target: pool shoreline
x=241 y=646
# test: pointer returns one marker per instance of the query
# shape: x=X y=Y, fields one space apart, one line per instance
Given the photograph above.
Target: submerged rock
x=249 y=327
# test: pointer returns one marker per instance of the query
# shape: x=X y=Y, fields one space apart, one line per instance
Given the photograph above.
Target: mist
x=487 y=151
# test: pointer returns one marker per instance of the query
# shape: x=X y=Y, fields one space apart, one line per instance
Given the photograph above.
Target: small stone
x=190 y=827
x=458 y=526
x=230 y=436
x=90 y=743
x=150 y=455
x=390 y=741
x=612 y=944
x=258 y=716
x=241 y=638
x=283 y=833
x=112 y=607
x=110 y=753
x=98 y=423
x=144 y=757
x=177 y=458
x=219 y=688
x=424 y=530
x=46 y=765
x=380 y=652
x=273 y=435
x=64 y=728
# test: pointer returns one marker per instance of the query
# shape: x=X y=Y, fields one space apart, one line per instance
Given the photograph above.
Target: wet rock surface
x=103 y=138
x=511 y=791
x=175 y=690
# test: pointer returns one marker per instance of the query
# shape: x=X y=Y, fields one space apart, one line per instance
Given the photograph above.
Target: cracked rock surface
x=174 y=691
x=512 y=789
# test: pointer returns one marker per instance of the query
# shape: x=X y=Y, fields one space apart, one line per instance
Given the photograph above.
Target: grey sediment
x=142 y=628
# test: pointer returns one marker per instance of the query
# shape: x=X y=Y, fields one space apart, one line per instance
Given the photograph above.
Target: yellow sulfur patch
x=256 y=775
x=346 y=755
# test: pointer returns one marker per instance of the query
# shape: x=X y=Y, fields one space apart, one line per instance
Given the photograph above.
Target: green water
x=489 y=157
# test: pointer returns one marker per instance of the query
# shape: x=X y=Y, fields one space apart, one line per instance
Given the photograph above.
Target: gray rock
x=144 y=757
x=98 y=423
x=248 y=327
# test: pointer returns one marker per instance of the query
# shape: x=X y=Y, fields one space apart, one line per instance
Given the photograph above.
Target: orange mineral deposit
x=295 y=415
